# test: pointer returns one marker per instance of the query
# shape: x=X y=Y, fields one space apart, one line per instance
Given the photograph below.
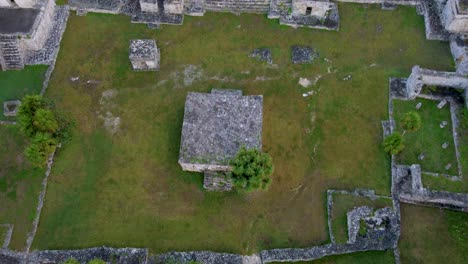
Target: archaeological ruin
x=144 y=55
x=216 y=125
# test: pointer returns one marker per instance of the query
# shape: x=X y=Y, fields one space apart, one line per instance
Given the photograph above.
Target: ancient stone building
x=24 y=26
x=459 y=49
x=165 y=6
x=455 y=16
x=144 y=55
x=216 y=125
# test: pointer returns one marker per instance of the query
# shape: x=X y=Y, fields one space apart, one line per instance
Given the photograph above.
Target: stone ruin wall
x=420 y=77
x=319 y=9
x=398 y=2
x=459 y=50
x=42 y=28
x=249 y=6
x=97 y=6
x=453 y=18
x=203 y=167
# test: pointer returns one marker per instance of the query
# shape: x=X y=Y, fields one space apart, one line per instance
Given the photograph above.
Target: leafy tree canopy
x=411 y=121
x=394 y=143
x=251 y=169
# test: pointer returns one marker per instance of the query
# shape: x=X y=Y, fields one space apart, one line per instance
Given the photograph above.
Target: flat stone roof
x=217 y=124
x=17 y=20
x=143 y=49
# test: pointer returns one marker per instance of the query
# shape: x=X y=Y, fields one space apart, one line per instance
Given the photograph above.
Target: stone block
x=10 y=108
x=216 y=125
x=144 y=55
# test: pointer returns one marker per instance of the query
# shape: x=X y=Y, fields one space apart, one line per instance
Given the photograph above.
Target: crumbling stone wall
x=318 y=8
x=250 y=6
x=420 y=77
x=459 y=49
x=454 y=17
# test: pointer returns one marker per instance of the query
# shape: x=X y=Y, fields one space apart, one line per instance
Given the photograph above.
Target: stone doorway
x=308 y=10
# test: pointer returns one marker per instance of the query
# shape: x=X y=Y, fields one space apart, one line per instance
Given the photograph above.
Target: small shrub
x=97 y=261
x=27 y=111
x=71 y=261
x=44 y=125
x=362 y=227
x=39 y=150
x=251 y=169
x=394 y=143
x=411 y=121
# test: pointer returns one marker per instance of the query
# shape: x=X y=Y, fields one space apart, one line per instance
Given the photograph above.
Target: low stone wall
x=110 y=255
x=249 y=6
x=396 y=2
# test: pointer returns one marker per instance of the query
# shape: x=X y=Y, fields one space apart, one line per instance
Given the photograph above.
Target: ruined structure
x=321 y=14
x=459 y=49
x=420 y=77
x=10 y=108
x=24 y=26
x=144 y=55
x=216 y=125
x=455 y=16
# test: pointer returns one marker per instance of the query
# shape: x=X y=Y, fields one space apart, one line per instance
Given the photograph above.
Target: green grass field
x=431 y=235
x=343 y=203
x=19 y=185
x=429 y=138
x=16 y=84
x=127 y=189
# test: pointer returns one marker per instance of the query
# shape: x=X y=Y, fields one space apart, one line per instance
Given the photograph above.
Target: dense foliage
x=394 y=143
x=44 y=125
x=251 y=169
x=411 y=121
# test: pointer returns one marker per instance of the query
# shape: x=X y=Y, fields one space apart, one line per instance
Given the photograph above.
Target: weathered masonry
x=24 y=26
x=144 y=55
x=216 y=125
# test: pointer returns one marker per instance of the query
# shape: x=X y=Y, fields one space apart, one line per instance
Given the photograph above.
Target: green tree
x=44 y=120
x=251 y=169
x=394 y=143
x=42 y=145
x=411 y=121
x=29 y=106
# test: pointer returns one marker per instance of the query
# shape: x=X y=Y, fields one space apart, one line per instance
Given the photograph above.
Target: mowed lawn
x=127 y=189
x=20 y=185
x=432 y=235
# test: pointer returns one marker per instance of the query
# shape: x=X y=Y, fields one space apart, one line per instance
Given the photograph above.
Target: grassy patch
x=443 y=184
x=429 y=138
x=127 y=189
x=19 y=185
x=431 y=235
x=16 y=84
x=342 y=203
x=368 y=257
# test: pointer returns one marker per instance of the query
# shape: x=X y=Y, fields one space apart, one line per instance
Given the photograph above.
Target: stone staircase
x=250 y=6
x=10 y=56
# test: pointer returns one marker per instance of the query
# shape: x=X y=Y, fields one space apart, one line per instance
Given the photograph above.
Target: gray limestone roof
x=143 y=49
x=17 y=20
x=217 y=125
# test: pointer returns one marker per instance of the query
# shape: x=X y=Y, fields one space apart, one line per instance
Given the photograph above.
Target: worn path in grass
x=126 y=188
